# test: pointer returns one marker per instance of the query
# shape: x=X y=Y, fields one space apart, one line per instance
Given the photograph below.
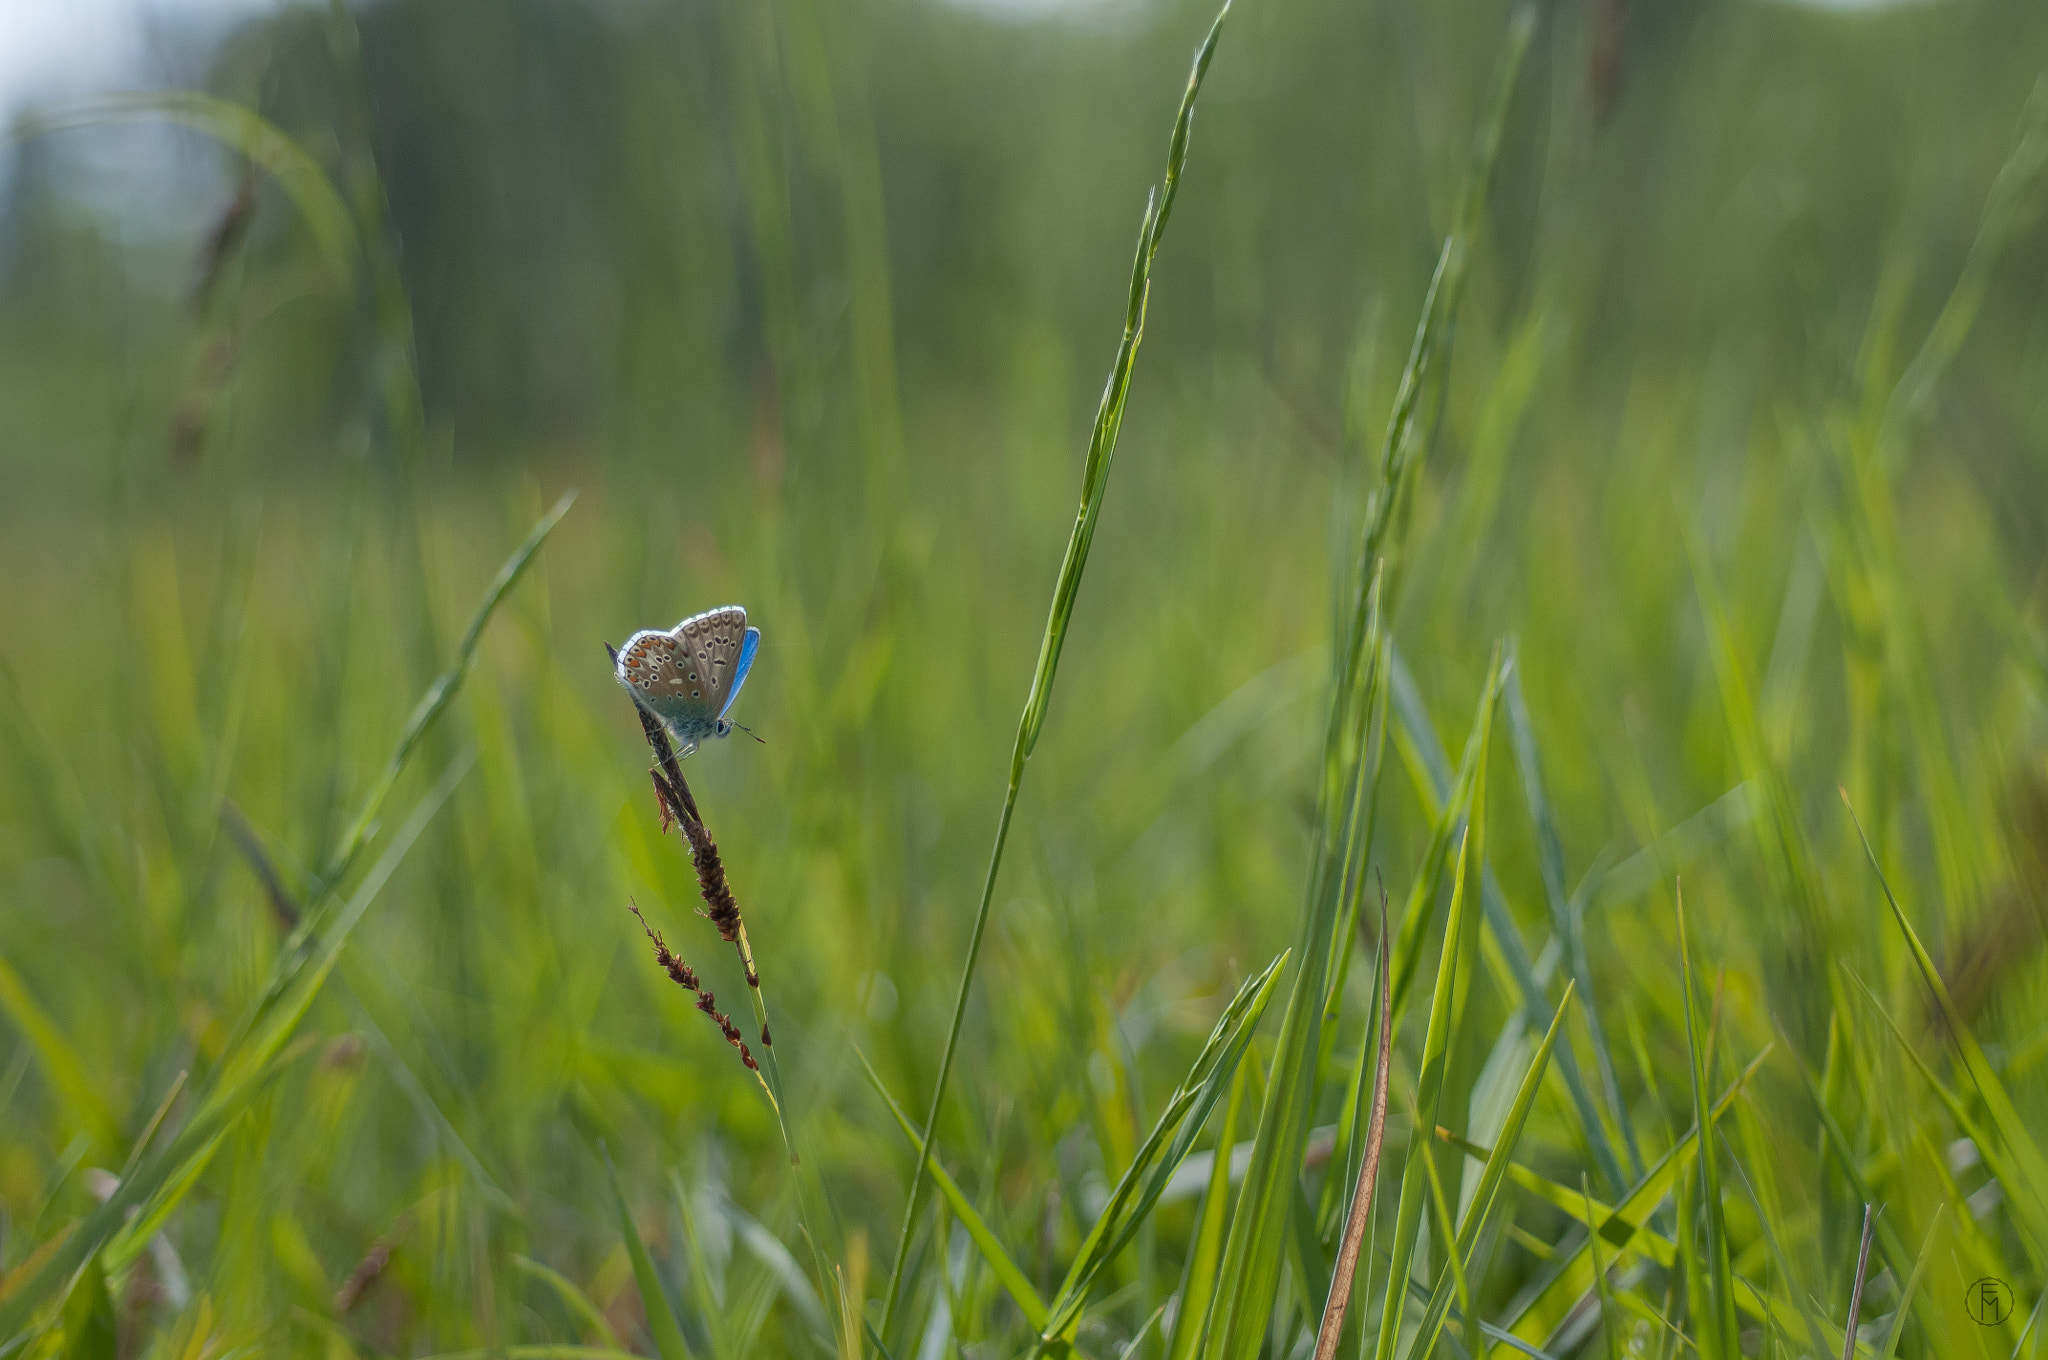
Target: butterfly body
x=690 y=675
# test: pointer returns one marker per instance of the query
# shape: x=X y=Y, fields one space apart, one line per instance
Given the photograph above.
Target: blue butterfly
x=690 y=675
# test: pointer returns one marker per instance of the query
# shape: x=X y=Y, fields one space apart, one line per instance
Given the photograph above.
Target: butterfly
x=690 y=675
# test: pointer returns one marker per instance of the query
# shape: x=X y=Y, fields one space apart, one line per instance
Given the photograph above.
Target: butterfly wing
x=653 y=666
x=749 y=644
x=712 y=650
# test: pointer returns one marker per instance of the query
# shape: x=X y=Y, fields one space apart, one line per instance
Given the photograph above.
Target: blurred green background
x=810 y=303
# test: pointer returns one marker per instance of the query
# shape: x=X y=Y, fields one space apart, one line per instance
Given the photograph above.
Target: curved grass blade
x=89 y=1324
x=61 y=1065
x=438 y=695
x=251 y=135
x=1259 y=1231
x=782 y=1264
x=229 y=1089
x=1600 y=1283
x=1139 y=1188
x=2008 y=210
x=1856 y=1289
x=1784 y=1265
x=573 y=1298
x=1650 y=1244
x=1094 y=483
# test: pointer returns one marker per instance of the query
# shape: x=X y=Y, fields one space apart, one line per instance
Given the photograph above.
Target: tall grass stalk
x=1094 y=485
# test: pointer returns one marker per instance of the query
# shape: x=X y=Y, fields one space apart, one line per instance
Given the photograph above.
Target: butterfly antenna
x=750 y=732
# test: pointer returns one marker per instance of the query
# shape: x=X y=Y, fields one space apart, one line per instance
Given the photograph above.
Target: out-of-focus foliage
x=1742 y=450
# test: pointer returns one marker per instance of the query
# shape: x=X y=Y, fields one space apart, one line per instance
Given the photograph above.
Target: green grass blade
x=155 y=1187
x=1472 y=1232
x=782 y=1263
x=1364 y=1180
x=249 y=1057
x=2008 y=210
x=236 y=1083
x=661 y=1318
x=439 y=694
x=1718 y=1332
x=714 y=1318
x=1788 y=860
x=574 y=1299
x=1600 y=1284
x=251 y=136
x=1450 y=824
x=1994 y=1151
x=1460 y=953
x=1156 y=1159
x=539 y=1351
x=1567 y=921
x=1906 y=1295
x=1784 y=1265
x=80 y=1245
x=1438 y=788
x=1205 y=1256
x=61 y=1064
x=1094 y=483
x=89 y=1324
x=2031 y=1186
x=1261 y=1235
x=1013 y=1280
x=1570 y=1277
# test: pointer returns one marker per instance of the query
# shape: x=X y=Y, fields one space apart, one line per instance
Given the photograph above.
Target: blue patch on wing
x=750 y=644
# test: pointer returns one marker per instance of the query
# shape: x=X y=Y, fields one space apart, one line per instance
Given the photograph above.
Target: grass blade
x=1473 y=1232
x=1434 y=781
x=661 y=1318
x=1460 y=953
x=573 y=1298
x=1145 y=1179
x=2031 y=1185
x=1856 y=1289
x=1906 y=1295
x=1095 y=482
x=1718 y=1334
x=1205 y=1257
x=1570 y=1277
x=1013 y=1279
x=251 y=135
x=1568 y=922
x=1331 y=1330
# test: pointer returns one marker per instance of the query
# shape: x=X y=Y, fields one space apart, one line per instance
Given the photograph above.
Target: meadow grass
x=1482 y=898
